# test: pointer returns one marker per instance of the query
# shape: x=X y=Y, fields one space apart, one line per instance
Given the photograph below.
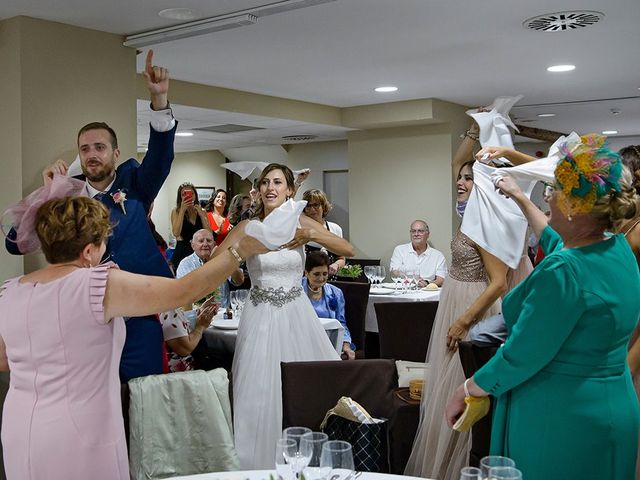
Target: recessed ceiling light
x=179 y=13
x=542 y=115
x=561 y=68
x=609 y=132
x=184 y=134
x=386 y=89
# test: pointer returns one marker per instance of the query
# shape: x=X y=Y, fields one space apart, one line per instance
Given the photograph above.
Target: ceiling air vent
x=563 y=21
x=299 y=138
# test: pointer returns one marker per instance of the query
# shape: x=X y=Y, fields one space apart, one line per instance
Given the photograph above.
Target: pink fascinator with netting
x=22 y=215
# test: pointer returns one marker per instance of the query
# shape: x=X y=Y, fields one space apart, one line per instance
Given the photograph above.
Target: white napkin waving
x=542 y=169
x=494 y=124
x=493 y=222
x=279 y=226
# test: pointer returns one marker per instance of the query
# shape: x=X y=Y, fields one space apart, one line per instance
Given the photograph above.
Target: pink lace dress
x=62 y=417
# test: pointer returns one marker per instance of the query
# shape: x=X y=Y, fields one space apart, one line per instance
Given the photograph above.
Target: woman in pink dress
x=61 y=336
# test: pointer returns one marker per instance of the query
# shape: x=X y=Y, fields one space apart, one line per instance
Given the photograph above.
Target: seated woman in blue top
x=327 y=300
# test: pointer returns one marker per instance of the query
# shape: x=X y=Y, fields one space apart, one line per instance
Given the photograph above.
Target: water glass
x=311 y=445
x=470 y=473
x=337 y=457
x=241 y=298
x=285 y=450
x=396 y=277
x=299 y=459
x=370 y=272
x=381 y=273
x=486 y=463
x=504 y=473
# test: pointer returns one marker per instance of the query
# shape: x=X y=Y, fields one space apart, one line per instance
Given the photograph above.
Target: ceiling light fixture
x=609 y=132
x=191 y=29
x=178 y=14
x=561 y=68
x=386 y=89
x=239 y=18
x=184 y=134
x=544 y=115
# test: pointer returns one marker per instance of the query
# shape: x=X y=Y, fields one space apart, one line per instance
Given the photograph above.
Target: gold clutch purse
x=477 y=407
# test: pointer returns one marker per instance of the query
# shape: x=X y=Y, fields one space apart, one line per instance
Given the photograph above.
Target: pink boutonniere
x=119 y=197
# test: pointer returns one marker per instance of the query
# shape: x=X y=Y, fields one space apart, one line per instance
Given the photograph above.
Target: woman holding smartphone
x=187 y=218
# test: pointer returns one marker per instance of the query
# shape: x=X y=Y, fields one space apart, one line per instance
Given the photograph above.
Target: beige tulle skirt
x=439 y=452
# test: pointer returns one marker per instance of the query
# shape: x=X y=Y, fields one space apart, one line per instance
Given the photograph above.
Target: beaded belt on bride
x=275 y=296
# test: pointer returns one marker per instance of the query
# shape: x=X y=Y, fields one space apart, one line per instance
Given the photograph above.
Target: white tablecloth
x=264 y=475
x=371 y=322
x=225 y=340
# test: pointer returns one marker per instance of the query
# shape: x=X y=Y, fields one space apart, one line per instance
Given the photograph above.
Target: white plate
x=222 y=324
x=388 y=285
x=380 y=291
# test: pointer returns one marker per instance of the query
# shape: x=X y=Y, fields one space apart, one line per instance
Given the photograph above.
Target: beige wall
x=395 y=176
x=10 y=132
x=58 y=78
x=199 y=168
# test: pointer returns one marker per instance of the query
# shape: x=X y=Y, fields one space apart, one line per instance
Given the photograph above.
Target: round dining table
x=271 y=474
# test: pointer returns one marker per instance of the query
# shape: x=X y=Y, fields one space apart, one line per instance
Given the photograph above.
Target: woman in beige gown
x=470 y=294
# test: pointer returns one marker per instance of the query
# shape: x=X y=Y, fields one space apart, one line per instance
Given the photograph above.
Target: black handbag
x=368 y=440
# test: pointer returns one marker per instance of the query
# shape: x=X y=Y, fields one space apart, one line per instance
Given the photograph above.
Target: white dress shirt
x=430 y=263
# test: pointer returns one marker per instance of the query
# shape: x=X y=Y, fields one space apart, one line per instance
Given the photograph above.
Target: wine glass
x=369 y=271
x=381 y=273
x=241 y=298
x=337 y=456
x=285 y=451
x=396 y=277
x=488 y=462
x=299 y=460
x=504 y=473
x=470 y=473
x=311 y=446
x=233 y=299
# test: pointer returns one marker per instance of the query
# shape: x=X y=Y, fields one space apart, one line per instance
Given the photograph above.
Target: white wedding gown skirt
x=278 y=324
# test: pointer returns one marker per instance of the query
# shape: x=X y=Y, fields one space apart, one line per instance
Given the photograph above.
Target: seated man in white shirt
x=419 y=256
x=203 y=244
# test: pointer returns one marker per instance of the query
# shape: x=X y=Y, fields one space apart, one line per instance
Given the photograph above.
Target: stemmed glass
x=370 y=273
x=490 y=461
x=311 y=445
x=396 y=277
x=285 y=450
x=300 y=458
x=504 y=473
x=338 y=457
x=380 y=273
x=241 y=297
x=470 y=473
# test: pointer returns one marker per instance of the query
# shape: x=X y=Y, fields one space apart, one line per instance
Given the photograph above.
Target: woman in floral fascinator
x=561 y=382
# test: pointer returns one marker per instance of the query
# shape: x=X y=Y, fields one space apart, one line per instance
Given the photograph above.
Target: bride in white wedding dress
x=278 y=324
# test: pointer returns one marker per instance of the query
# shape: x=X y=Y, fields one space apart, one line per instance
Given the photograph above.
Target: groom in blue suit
x=128 y=192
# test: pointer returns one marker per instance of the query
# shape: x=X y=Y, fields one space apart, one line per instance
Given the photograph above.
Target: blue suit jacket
x=134 y=249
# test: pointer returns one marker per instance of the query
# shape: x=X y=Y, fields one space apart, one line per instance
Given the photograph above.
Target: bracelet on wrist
x=471 y=135
x=466 y=388
x=235 y=253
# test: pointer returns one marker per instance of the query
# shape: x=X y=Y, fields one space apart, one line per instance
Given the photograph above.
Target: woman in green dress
x=566 y=407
